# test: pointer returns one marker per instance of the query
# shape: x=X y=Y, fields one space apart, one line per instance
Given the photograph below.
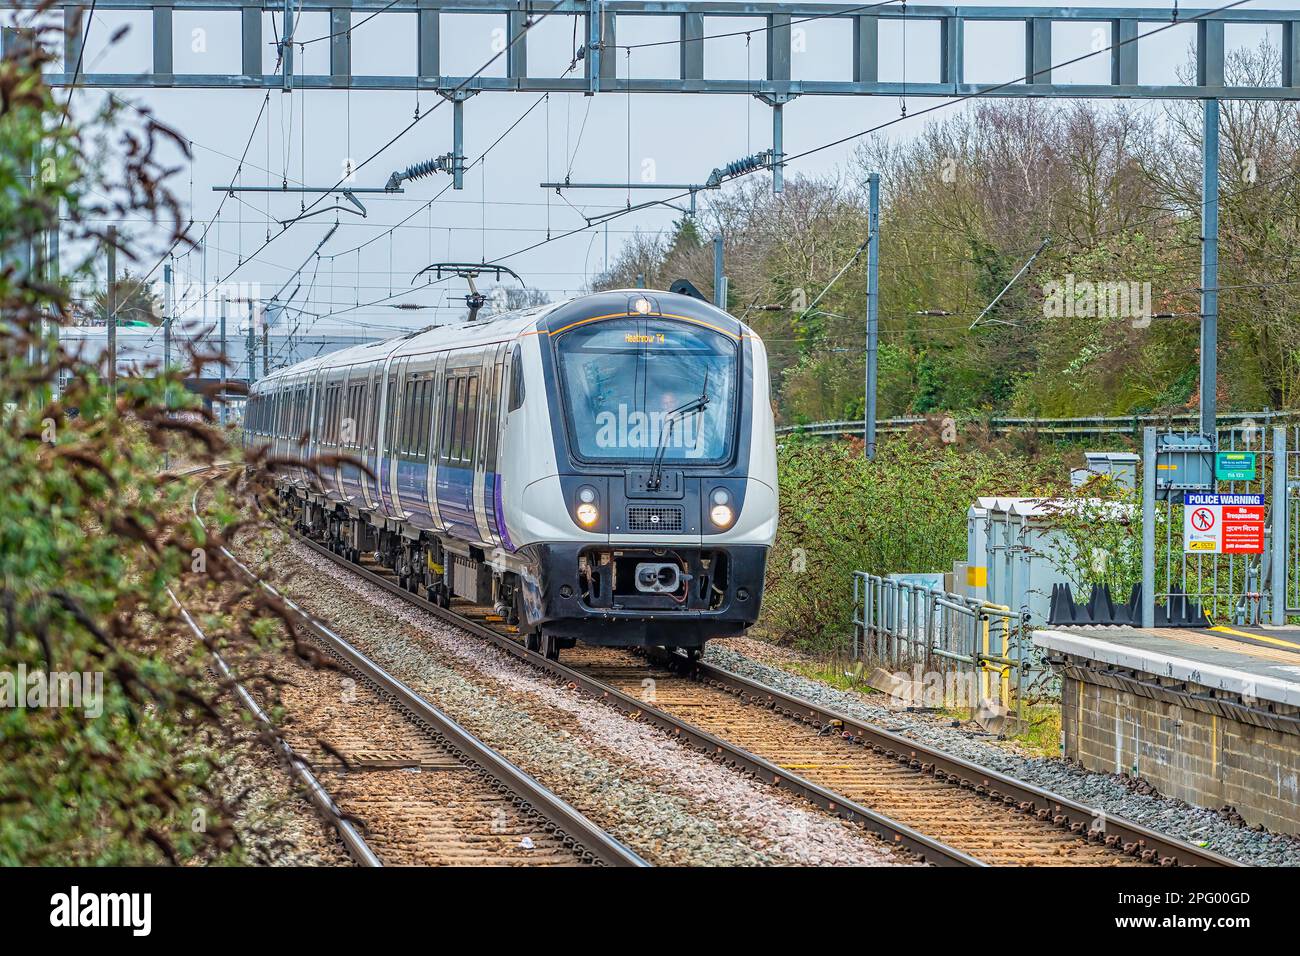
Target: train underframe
x=624 y=596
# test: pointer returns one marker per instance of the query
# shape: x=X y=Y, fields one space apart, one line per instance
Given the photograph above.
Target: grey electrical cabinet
x=1121 y=466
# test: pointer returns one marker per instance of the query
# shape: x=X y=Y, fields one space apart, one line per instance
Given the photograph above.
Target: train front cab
x=665 y=478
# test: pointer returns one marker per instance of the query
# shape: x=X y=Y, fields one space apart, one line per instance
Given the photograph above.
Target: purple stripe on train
x=500 y=513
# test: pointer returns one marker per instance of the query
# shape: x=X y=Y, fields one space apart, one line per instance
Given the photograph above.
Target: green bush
x=903 y=512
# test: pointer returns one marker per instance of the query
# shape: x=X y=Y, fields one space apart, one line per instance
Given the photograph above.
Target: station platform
x=1252 y=662
x=1211 y=716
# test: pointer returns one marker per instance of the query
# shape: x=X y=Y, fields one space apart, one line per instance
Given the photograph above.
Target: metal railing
x=962 y=647
x=1095 y=425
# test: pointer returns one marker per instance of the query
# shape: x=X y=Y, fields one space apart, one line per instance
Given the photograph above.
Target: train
x=601 y=469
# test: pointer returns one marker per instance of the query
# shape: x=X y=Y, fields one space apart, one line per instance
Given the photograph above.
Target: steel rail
x=570 y=824
x=1135 y=838
x=899 y=834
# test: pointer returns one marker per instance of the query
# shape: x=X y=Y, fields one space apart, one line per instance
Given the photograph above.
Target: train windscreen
x=634 y=386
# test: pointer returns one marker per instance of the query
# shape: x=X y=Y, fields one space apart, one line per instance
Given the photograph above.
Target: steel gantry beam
x=602 y=36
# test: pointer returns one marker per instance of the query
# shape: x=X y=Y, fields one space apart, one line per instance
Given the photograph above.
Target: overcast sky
x=502 y=209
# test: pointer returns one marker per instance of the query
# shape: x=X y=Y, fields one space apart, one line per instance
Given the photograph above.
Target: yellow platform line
x=1257 y=637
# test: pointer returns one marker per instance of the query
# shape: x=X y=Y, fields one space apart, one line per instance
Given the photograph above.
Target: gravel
x=1114 y=794
x=670 y=804
x=276 y=824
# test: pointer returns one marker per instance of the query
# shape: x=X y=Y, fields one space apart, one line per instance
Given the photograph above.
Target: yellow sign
x=637 y=338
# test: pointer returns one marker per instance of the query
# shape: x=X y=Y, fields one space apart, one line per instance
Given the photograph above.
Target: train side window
x=342 y=401
x=350 y=417
x=412 y=415
x=448 y=404
x=332 y=423
x=426 y=412
x=411 y=412
x=349 y=434
x=516 y=379
x=470 y=438
x=414 y=438
x=405 y=432
x=390 y=409
x=372 y=417
x=340 y=412
x=457 y=420
x=417 y=413
x=367 y=416
x=356 y=416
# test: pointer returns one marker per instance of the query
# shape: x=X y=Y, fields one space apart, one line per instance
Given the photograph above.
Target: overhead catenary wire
x=76 y=73
x=429 y=204
x=511 y=41
x=955 y=101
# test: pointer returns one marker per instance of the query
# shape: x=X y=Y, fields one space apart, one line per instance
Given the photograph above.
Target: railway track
x=944 y=809
x=428 y=790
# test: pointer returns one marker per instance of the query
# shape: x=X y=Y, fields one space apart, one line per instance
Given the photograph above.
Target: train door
x=315 y=413
x=384 y=398
x=301 y=425
x=436 y=416
x=485 y=476
x=341 y=435
x=455 y=481
x=395 y=416
x=507 y=394
x=412 y=445
x=368 y=426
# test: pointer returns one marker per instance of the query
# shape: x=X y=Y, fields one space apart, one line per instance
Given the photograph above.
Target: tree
x=135 y=303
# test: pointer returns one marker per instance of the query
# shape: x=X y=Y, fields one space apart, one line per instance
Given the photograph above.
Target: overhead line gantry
x=776 y=88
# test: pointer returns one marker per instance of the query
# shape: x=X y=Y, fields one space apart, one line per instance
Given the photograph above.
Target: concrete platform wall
x=1209 y=752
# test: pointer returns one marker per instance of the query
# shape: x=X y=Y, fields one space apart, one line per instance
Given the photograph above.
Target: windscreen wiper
x=656 y=478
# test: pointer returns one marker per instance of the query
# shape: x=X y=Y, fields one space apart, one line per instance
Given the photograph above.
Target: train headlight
x=587 y=512
x=721 y=513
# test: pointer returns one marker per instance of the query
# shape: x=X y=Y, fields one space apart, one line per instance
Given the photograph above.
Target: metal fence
x=1083 y=427
x=1290 y=514
x=1230 y=588
x=964 y=651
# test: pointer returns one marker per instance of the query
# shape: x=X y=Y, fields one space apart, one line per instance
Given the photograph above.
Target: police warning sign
x=1223 y=524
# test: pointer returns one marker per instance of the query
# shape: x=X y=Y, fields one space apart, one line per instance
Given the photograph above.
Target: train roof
x=550 y=319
